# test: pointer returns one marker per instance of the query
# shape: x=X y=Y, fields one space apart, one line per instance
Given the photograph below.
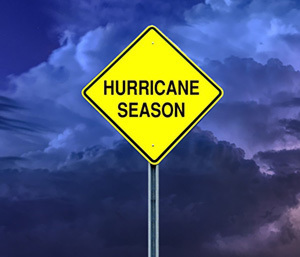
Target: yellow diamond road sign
x=153 y=94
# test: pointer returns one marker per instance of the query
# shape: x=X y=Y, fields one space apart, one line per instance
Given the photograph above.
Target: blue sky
x=230 y=188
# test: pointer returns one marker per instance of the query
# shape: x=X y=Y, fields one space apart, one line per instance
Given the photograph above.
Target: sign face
x=153 y=94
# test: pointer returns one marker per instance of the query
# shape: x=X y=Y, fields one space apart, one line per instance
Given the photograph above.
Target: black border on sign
x=120 y=129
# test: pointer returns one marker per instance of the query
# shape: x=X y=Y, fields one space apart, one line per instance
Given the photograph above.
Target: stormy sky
x=70 y=185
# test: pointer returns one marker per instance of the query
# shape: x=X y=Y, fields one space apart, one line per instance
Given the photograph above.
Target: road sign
x=153 y=94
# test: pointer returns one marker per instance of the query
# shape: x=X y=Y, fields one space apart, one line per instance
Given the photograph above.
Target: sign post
x=153 y=95
x=153 y=210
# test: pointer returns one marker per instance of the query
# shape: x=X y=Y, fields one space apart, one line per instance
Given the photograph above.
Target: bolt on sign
x=153 y=94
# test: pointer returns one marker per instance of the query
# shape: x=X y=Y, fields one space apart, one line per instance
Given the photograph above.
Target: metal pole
x=153 y=221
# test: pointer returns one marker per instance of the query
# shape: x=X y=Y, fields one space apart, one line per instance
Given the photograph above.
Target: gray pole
x=153 y=221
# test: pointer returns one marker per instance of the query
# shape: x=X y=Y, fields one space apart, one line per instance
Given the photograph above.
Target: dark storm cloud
x=252 y=121
x=96 y=204
x=10 y=107
x=281 y=162
x=16 y=125
x=292 y=126
x=10 y=162
x=257 y=96
x=245 y=79
x=8 y=104
x=285 y=99
x=295 y=101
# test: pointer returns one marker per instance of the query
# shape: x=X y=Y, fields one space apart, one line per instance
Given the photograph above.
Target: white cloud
x=218 y=29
